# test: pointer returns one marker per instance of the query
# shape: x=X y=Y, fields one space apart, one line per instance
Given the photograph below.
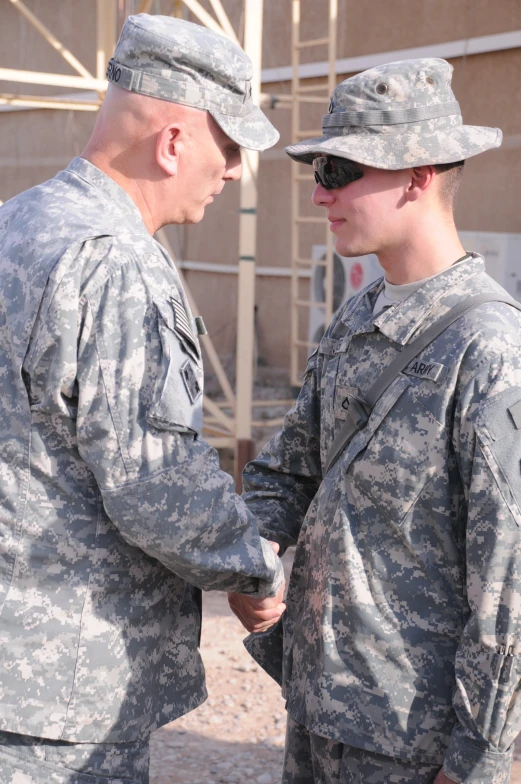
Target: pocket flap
x=332 y=346
x=177 y=398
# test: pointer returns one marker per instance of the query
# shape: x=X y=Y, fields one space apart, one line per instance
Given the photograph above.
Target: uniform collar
x=120 y=201
x=402 y=320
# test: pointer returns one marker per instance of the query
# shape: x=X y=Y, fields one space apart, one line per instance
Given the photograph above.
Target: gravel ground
x=237 y=736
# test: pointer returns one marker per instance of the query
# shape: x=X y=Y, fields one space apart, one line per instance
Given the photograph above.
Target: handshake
x=257 y=615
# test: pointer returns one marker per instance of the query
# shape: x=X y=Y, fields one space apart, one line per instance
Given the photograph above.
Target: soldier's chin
x=350 y=250
x=195 y=216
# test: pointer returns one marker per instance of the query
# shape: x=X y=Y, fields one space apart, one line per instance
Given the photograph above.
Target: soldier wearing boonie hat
x=114 y=513
x=400 y=657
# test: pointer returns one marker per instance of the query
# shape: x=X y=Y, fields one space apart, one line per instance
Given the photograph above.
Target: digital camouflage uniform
x=113 y=510
x=403 y=621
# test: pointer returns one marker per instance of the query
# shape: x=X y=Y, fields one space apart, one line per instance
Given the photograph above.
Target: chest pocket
x=405 y=446
x=177 y=401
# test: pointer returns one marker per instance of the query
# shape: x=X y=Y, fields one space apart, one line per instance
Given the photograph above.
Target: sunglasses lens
x=332 y=172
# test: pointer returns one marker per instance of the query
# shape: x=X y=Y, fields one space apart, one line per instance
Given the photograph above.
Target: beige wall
x=35 y=144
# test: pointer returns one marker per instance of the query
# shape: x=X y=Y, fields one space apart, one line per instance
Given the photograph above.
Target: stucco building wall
x=35 y=144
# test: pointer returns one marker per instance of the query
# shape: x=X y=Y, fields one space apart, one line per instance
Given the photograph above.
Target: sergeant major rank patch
x=190 y=381
x=432 y=370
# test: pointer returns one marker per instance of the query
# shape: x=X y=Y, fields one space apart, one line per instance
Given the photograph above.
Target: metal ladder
x=301 y=175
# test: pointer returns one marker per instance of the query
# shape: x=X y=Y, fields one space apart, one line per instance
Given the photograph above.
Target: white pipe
x=233 y=269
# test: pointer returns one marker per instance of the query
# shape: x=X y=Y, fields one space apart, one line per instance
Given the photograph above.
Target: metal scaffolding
x=308 y=96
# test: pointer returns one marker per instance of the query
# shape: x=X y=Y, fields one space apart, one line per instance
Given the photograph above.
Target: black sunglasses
x=332 y=172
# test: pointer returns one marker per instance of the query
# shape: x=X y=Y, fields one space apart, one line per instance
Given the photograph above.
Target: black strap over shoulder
x=359 y=413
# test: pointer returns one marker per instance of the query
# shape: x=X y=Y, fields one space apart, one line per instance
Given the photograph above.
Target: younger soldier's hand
x=257 y=615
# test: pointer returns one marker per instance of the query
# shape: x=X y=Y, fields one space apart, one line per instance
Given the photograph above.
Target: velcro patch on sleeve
x=431 y=370
x=515 y=413
x=191 y=383
x=200 y=325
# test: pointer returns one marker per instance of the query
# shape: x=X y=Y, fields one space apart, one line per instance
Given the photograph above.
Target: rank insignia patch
x=190 y=381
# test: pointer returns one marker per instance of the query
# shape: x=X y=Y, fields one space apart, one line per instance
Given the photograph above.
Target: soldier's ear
x=420 y=181
x=422 y=178
x=168 y=144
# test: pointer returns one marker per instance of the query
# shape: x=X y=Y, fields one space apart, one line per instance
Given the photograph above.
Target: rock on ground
x=237 y=736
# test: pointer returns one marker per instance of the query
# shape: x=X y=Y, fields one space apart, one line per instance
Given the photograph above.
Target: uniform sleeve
x=139 y=379
x=282 y=481
x=487 y=444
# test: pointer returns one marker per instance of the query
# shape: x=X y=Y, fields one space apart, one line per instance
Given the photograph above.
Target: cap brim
x=400 y=151
x=254 y=132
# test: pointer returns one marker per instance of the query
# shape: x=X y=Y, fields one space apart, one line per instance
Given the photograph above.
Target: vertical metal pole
x=330 y=270
x=105 y=34
x=247 y=251
x=295 y=192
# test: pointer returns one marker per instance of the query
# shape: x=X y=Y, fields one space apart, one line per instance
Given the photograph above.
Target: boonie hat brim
x=401 y=151
x=253 y=131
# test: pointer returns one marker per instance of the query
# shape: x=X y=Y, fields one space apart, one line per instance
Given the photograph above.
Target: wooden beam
x=219 y=415
x=105 y=34
x=52 y=79
x=42 y=102
x=207 y=19
x=221 y=443
x=278 y=422
x=224 y=21
x=266 y=403
x=51 y=39
x=247 y=255
x=296 y=250
x=178 y=9
x=330 y=272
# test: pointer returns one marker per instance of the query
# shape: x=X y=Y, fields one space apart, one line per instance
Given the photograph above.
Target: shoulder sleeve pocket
x=498 y=428
x=178 y=392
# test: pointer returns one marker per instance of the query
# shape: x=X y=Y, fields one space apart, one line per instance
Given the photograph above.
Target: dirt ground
x=237 y=736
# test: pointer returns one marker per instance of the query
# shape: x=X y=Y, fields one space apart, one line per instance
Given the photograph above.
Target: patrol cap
x=185 y=63
x=396 y=116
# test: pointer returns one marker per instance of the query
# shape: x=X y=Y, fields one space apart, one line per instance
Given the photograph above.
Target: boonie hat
x=186 y=63
x=396 y=116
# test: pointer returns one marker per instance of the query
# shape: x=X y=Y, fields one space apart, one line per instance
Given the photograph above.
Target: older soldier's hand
x=257 y=615
x=441 y=778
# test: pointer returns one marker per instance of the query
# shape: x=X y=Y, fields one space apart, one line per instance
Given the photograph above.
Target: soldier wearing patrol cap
x=401 y=651
x=113 y=510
